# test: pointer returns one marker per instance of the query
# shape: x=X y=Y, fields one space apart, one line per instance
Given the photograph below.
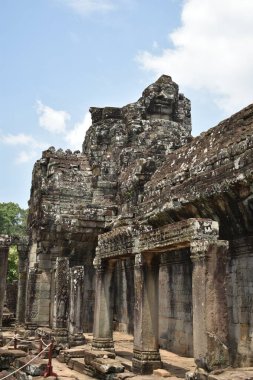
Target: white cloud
x=89 y=6
x=25 y=156
x=211 y=50
x=76 y=136
x=21 y=139
x=32 y=146
x=52 y=120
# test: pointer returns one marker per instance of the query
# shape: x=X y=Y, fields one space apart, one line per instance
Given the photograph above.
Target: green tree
x=13 y=222
x=12 y=264
x=13 y=219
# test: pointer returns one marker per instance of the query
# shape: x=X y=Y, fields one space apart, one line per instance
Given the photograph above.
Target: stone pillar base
x=31 y=328
x=144 y=362
x=61 y=336
x=76 y=339
x=103 y=344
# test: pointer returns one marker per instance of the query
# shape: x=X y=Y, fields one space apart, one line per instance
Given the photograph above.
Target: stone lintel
x=127 y=241
x=178 y=235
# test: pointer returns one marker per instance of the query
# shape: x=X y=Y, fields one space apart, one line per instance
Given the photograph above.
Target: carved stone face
x=161 y=106
x=161 y=101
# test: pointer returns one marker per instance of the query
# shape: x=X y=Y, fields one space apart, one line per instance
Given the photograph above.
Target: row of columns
x=210 y=333
x=65 y=300
x=210 y=325
x=5 y=243
x=22 y=248
x=68 y=306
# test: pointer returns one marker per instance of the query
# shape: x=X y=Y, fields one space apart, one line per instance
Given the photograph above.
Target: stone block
x=6 y=373
x=12 y=353
x=7 y=357
x=107 y=365
x=78 y=365
x=201 y=374
x=35 y=368
x=66 y=355
x=91 y=355
x=124 y=375
x=161 y=373
x=21 y=375
x=190 y=376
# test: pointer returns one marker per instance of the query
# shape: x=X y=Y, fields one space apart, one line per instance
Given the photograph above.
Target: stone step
x=90 y=355
x=36 y=368
x=66 y=355
x=7 y=357
x=106 y=366
x=125 y=362
x=77 y=364
x=160 y=372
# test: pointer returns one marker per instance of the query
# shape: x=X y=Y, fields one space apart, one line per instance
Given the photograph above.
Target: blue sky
x=59 y=57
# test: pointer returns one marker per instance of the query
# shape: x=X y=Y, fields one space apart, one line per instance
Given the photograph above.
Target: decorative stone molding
x=126 y=241
x=144 y=362
x=199 y=248
x=104 y=344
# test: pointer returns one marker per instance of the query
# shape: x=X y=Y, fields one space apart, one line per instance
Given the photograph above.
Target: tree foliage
x=13 y=219
x=13 y=222
x=12 y=264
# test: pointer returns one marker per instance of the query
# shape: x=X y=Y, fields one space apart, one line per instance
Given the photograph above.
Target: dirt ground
x=174 y=366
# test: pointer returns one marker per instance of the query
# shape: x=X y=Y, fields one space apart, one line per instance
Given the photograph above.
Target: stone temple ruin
x=147 y=231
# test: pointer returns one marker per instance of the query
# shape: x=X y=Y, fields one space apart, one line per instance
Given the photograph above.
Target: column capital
x=5 y=242
x=98 y=265
x=139 y=260
x=102 y=264
x=22 y=246
x=200 y=248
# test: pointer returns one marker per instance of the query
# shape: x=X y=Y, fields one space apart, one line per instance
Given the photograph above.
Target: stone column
x=5 y=243
x=76 y=308
x=103 y=317
x=210 y=319
x=146 y=356
x=61 y=302
x=22 y=248
x=31 y=299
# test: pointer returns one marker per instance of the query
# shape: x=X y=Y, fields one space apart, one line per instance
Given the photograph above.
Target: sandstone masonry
x=147 y=231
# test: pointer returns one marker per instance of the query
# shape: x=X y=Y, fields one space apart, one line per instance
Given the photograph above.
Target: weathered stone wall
x=140 y=169
x=11 y=296
x=64 y=222
x=175 y=303
x=124 y=296
x=76 y=196
x=126 y=145
x=240 y=301
x=211 y=177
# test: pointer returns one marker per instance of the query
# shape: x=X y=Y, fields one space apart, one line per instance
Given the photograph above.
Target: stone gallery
x=148 y=231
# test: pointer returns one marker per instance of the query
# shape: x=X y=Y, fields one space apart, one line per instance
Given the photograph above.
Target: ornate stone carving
x=62 y=292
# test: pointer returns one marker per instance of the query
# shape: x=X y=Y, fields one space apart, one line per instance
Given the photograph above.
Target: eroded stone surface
x=144 y=197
